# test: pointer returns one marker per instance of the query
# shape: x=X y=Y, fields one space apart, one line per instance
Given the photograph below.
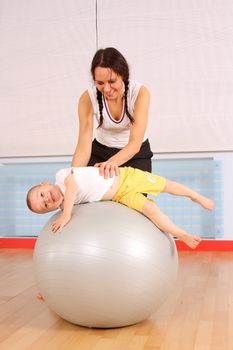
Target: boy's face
x=46 y=197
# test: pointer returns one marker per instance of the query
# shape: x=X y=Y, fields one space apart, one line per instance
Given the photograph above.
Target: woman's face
x=109 y=83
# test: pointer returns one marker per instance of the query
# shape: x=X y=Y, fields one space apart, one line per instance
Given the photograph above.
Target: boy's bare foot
x=40 y=297
x=191 y=240
x=205 y=202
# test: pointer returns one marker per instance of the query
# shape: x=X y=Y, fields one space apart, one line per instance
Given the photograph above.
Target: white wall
x=45 y=48
x=181 y=49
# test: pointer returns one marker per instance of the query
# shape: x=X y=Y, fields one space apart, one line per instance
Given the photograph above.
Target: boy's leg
x=179 y=190
x=152 y=211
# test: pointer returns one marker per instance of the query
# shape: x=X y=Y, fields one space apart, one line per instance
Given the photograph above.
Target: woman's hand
x=58 y=225
x=107 y=169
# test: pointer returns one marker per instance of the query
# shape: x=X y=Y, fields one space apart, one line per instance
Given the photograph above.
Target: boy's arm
x=69 y=199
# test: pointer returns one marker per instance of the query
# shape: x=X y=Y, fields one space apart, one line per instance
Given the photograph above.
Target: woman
x=120 y=107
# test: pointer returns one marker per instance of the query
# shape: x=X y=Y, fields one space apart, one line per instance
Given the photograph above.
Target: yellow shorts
x=135 y=182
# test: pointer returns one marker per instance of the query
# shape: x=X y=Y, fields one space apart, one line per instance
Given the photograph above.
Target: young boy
x=84 y=184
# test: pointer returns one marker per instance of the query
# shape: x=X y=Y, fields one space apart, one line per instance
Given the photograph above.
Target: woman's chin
x=111 y=97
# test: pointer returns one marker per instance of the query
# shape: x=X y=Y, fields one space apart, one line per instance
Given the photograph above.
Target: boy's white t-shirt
x=115 y=133
x=91 y=185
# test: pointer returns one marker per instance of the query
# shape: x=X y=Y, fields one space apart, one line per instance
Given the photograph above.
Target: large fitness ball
x=108 y=267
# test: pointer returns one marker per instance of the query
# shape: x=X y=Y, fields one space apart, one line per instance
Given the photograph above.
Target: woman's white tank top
x=115 y=133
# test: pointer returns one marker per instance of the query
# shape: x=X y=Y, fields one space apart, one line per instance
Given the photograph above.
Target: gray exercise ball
x=109 y=267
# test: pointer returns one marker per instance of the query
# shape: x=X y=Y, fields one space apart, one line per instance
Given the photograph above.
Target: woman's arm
x=83 y=149
x=69 y=199
x=137 y=132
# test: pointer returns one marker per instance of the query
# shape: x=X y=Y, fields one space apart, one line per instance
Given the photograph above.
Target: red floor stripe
x=205 y=245
x=208 y=245
x=17 y=242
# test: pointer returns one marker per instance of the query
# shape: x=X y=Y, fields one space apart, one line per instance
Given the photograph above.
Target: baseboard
x=205 y=245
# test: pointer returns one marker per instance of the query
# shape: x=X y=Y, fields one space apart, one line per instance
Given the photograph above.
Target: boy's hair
x=28 y=198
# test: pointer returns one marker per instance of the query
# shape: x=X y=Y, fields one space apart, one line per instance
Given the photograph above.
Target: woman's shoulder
x=137 y=88
x=84 y=96
x=134 y=84
x=86 y=104
x=91 y=90
x=134 y=88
